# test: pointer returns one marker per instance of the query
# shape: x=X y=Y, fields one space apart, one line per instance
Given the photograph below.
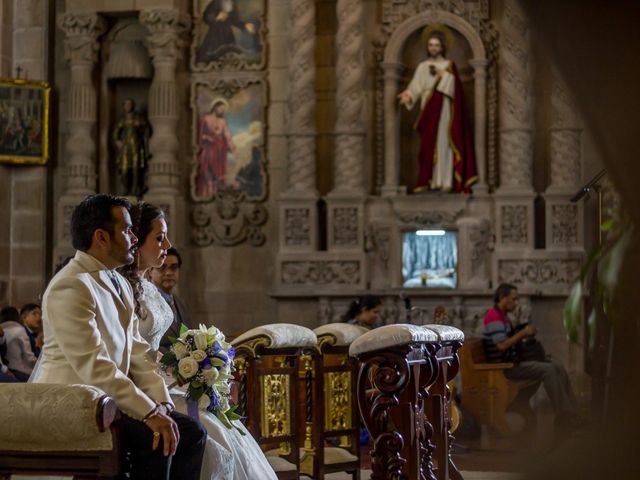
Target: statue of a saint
x=447 y=159
x=131 y=136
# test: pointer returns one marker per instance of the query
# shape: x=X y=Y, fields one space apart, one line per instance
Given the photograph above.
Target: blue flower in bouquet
x=215 y=402
x=206 y=363
x=215 y=348
x=231 y=352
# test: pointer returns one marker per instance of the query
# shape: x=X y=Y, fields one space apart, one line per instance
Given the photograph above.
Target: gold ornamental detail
x=276 y=415
x=337 y=400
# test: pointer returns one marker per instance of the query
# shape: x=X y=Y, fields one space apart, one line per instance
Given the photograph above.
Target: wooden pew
x=487 y=394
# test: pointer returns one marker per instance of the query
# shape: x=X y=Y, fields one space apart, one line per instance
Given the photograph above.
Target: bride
x=228 y=454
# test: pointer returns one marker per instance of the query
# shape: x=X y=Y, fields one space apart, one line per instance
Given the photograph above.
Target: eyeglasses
x=174 y=268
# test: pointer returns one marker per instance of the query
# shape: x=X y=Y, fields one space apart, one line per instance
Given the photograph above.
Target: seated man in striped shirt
x=500 y=342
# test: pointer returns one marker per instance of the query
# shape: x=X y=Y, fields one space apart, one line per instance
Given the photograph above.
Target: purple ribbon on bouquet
x=192 y=409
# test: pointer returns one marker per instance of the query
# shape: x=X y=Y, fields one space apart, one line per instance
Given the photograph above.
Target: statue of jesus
x=446 y=157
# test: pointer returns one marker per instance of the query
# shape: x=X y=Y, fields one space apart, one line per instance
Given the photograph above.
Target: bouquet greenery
x=202 y=360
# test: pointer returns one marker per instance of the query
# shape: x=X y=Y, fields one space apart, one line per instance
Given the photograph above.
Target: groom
x=91 y=337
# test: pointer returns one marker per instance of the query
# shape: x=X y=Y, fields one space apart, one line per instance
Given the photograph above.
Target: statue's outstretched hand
x=405 y=97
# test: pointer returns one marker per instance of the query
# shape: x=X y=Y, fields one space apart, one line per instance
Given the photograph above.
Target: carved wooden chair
x=58 y=430
x=268 y=361
x=334 y=404
x=438 y=401
x=395 y=374
x=487 y=394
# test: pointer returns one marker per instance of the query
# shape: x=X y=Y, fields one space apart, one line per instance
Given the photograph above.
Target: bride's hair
x=142 y=218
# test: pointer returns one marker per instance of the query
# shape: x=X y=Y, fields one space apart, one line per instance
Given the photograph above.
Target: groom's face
x=123 y=240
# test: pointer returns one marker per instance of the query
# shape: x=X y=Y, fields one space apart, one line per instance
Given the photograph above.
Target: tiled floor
x=490 y=457
x=365 y=474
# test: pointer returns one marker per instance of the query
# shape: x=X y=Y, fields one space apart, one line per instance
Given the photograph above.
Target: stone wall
x=25 y=246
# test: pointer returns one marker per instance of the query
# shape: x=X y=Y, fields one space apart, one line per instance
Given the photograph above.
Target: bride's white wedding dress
x=228 y=454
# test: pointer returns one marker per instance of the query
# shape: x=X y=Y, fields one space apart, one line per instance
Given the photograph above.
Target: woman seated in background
x=365 y=312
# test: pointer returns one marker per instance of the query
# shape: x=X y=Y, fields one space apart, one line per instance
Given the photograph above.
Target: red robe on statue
x=460 y=139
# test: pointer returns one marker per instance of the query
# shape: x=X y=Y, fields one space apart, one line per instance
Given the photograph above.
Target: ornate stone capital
x=167 y=28
x=81 y=36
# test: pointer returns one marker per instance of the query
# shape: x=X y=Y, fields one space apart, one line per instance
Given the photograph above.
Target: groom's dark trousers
x=143 y=463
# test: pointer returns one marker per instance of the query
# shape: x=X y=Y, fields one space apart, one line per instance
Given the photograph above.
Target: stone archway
x=392 y=67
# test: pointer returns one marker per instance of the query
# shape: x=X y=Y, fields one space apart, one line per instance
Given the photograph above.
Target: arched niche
x=392 y=66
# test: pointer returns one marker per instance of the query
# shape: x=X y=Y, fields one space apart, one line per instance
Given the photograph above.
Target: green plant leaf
x=183 y=329
x=232 y=415
x=591 y=328
x=216 y=362
x=225 y=421
x=195 y=392
x=608 y=225
x=591 y=259
x=611 y=263
x=572 y=311
x=169 y=359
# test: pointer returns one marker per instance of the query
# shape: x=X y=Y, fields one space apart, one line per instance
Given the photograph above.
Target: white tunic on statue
x=421 y=87
x=228 y=454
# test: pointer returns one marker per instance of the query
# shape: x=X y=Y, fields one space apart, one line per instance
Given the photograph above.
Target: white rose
x=204 y=402
x=180 y=349
x=188 y=367
x=210 y=375
x=200 y=339
x=198 y=355
x=224 y=404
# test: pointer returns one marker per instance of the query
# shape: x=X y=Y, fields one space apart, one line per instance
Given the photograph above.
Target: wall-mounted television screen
x=430 y=259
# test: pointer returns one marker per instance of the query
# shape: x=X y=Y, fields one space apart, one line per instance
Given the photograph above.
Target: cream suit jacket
x=91 y=337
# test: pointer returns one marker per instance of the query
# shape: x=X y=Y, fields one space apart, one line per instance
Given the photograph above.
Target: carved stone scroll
x=348 y=272
x=539 y=272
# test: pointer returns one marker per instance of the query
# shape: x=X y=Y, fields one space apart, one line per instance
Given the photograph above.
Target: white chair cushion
x=41 y=417
x=333 y=455
x=342 y=334
x=279 y=464
x=447 y=333
x=391 y=336
x=280 y=335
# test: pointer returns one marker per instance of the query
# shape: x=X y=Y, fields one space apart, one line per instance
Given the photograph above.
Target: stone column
x=298 y=209
x=345 y=203
x=81 y=51
x=350 y=72
x=391 y=187
x=514 y=199
x=165 y=42
x=480 y=122
x=81 y=45
x=564 y=220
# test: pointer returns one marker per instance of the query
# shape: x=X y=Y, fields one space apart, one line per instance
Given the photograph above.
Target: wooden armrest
x=492 y=366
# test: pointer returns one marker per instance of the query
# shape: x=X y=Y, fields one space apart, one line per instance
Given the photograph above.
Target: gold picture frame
x=24 y=121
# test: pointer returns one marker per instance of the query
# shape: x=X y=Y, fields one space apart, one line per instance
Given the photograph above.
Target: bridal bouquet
x=203 y=360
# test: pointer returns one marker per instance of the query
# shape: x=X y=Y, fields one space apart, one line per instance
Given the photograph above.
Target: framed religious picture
x=24 y=121
x=228 y=34
x=228 y=140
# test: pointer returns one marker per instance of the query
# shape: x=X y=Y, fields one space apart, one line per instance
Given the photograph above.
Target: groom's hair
x=94 y=213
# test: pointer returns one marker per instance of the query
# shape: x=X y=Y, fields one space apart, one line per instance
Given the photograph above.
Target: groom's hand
x=164 y=426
